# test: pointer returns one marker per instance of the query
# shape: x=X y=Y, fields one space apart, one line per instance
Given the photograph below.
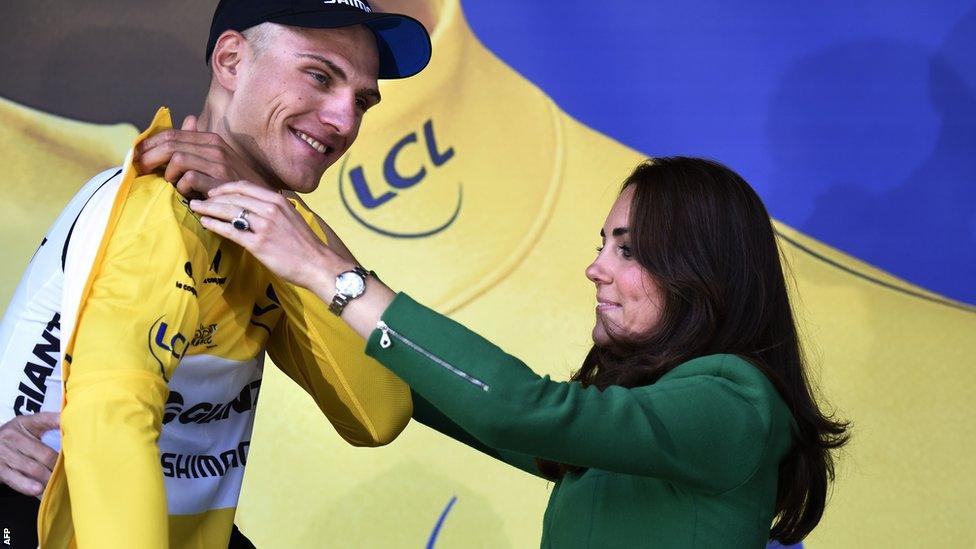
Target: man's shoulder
x=112 y=208
x=103 y=177
x=153 y=204
x=99 y=183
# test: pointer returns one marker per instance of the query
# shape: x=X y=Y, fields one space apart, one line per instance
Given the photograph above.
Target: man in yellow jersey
x=154 y=329
x=485 y=195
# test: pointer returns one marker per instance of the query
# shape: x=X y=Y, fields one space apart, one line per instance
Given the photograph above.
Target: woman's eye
x=625 y=250
x=599 y=249
x=320 y=78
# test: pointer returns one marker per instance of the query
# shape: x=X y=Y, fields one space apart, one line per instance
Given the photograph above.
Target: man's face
x=299 y=102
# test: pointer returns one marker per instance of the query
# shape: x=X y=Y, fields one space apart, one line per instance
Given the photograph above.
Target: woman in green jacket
x=690 y=423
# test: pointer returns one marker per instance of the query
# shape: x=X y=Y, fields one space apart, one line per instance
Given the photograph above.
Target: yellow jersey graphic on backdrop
x=473 y=191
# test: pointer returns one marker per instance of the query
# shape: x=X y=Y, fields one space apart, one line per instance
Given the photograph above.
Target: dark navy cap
x=402 y=41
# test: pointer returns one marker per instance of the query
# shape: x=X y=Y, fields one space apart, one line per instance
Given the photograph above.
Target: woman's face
x=628 y=302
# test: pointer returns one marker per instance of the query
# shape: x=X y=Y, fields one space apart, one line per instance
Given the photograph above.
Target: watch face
x=350 y=284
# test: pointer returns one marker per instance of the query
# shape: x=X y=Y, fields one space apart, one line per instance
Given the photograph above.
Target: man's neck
x=213 y=121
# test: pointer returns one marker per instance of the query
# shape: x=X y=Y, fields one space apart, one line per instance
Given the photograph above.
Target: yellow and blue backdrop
x=480 y=187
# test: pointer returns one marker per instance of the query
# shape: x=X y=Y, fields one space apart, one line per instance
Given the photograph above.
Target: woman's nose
x=596 y=272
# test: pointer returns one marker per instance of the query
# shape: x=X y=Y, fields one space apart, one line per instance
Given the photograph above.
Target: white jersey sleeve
x=30 y=332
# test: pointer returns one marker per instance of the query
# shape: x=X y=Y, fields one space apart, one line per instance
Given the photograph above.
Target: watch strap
x=339 y=303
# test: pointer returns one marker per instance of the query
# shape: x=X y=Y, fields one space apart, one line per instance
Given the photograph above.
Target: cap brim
x=402 y=41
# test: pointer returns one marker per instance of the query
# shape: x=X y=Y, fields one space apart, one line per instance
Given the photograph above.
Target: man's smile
x=312 y=142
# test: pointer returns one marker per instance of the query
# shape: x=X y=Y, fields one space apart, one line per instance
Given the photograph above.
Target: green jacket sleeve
x=426 y=413
x=704 y=425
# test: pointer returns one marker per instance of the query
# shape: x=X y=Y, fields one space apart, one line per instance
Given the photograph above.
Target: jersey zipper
x=386 y=341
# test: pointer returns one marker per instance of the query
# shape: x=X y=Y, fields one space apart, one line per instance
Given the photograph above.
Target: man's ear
x=227 y=58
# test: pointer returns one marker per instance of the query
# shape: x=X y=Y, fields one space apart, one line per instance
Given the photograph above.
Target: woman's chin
x=600 y=337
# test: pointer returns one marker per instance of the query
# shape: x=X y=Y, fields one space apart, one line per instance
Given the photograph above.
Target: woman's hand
x=334 y=242
x=277 y=234
x=278 y=237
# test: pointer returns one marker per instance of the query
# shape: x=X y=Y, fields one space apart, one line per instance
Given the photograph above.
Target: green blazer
x=690 y=461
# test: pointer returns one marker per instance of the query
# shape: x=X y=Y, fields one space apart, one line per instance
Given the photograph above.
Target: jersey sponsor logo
x=215 y=269
x=188 y=268
x=354 y=3
x=206 y=412
x=186 y=287
x=45 y=352
x=365 y=200
x=204 y=465
x=215 y=264
x=204 y=336
x=173 y=406
x=165 y=342
x=258 y=312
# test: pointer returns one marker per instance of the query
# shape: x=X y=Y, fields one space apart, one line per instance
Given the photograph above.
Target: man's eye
x=320 y=78
x=362 y=104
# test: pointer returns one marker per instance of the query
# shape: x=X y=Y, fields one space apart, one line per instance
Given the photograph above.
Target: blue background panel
x=856 y=122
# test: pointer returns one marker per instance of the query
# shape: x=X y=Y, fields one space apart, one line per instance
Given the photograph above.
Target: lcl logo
x=398 y=182
x=170 y=341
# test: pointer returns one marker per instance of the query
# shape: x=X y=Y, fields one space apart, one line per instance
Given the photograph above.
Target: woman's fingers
x=228 y=207
x=245 y=238
x=277 y=235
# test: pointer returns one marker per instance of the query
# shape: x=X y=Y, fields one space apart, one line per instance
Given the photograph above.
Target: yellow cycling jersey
x=163 y=331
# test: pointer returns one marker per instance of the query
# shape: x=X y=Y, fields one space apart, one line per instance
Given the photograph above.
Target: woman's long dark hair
x=705 y=238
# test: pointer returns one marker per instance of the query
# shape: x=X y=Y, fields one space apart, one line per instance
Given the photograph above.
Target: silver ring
x=240 y=222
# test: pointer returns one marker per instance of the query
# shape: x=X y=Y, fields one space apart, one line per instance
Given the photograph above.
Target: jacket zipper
x=386 y=342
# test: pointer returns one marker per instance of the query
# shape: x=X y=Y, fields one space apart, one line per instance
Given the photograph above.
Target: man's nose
x=339 y=112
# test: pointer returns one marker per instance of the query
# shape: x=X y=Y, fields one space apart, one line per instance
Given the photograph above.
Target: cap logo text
x=354 y=3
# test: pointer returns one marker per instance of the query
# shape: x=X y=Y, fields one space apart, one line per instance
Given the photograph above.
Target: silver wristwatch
x=349 y=286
